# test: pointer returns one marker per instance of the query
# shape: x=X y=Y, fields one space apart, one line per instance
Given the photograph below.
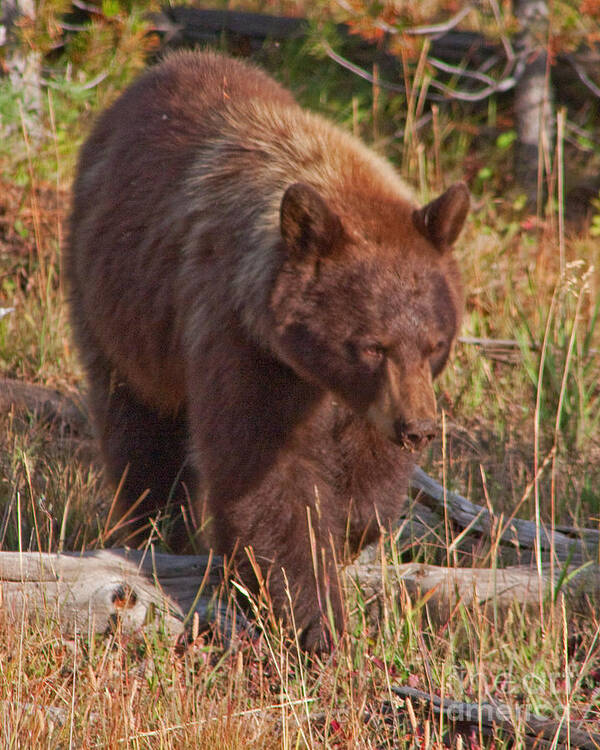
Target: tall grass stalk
x=40 y=257
x=559 y=409
x=536 y=455
x=415 y=89
x=560 y=192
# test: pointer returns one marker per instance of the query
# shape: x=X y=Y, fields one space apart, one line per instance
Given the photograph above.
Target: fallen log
x=490 y=718
x=58 y=410
x=495 y=589
x=564 y=543
x=92 y=592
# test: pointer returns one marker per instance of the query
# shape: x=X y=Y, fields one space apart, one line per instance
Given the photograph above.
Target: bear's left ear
x=308 y=226
x=442 y=220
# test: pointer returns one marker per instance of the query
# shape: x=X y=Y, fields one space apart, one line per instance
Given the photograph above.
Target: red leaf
x=414 y=681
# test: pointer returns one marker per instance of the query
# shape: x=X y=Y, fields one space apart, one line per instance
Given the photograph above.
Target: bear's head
x=368 y=309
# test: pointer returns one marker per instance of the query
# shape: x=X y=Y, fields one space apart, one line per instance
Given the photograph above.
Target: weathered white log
x=93 y=591
x=497 y=588
x=576 y=549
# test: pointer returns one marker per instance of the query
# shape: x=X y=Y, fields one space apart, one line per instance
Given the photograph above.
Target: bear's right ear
x=308 y=226
x=442 y=220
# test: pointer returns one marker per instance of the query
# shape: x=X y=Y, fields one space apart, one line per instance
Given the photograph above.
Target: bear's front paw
x=316 y=636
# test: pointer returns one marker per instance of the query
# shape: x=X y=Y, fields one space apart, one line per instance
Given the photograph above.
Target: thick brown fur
x=260 y=309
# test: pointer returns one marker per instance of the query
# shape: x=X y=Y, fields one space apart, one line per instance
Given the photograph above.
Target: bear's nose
x=416 y=433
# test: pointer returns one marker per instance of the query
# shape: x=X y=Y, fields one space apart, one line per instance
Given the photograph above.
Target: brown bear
x=260 y=309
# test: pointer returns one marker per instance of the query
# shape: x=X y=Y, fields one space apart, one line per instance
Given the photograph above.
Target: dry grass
x=59 y=690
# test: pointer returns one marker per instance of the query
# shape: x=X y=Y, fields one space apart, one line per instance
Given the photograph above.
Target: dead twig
x=490 y=718
x=357 y=70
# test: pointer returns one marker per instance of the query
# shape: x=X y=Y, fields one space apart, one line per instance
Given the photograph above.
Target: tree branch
x=534 y=731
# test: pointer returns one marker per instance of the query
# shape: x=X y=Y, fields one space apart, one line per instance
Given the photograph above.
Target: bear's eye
x=438 y=347
x=374 y=352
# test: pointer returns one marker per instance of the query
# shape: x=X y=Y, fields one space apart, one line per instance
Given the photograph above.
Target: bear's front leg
x=267 y=488
x=284 y=547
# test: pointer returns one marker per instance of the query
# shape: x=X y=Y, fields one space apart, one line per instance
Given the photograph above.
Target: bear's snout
x=415 y=434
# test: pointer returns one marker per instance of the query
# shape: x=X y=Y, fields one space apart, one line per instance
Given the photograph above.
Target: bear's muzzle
x=416 y=434
x=405 y=409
